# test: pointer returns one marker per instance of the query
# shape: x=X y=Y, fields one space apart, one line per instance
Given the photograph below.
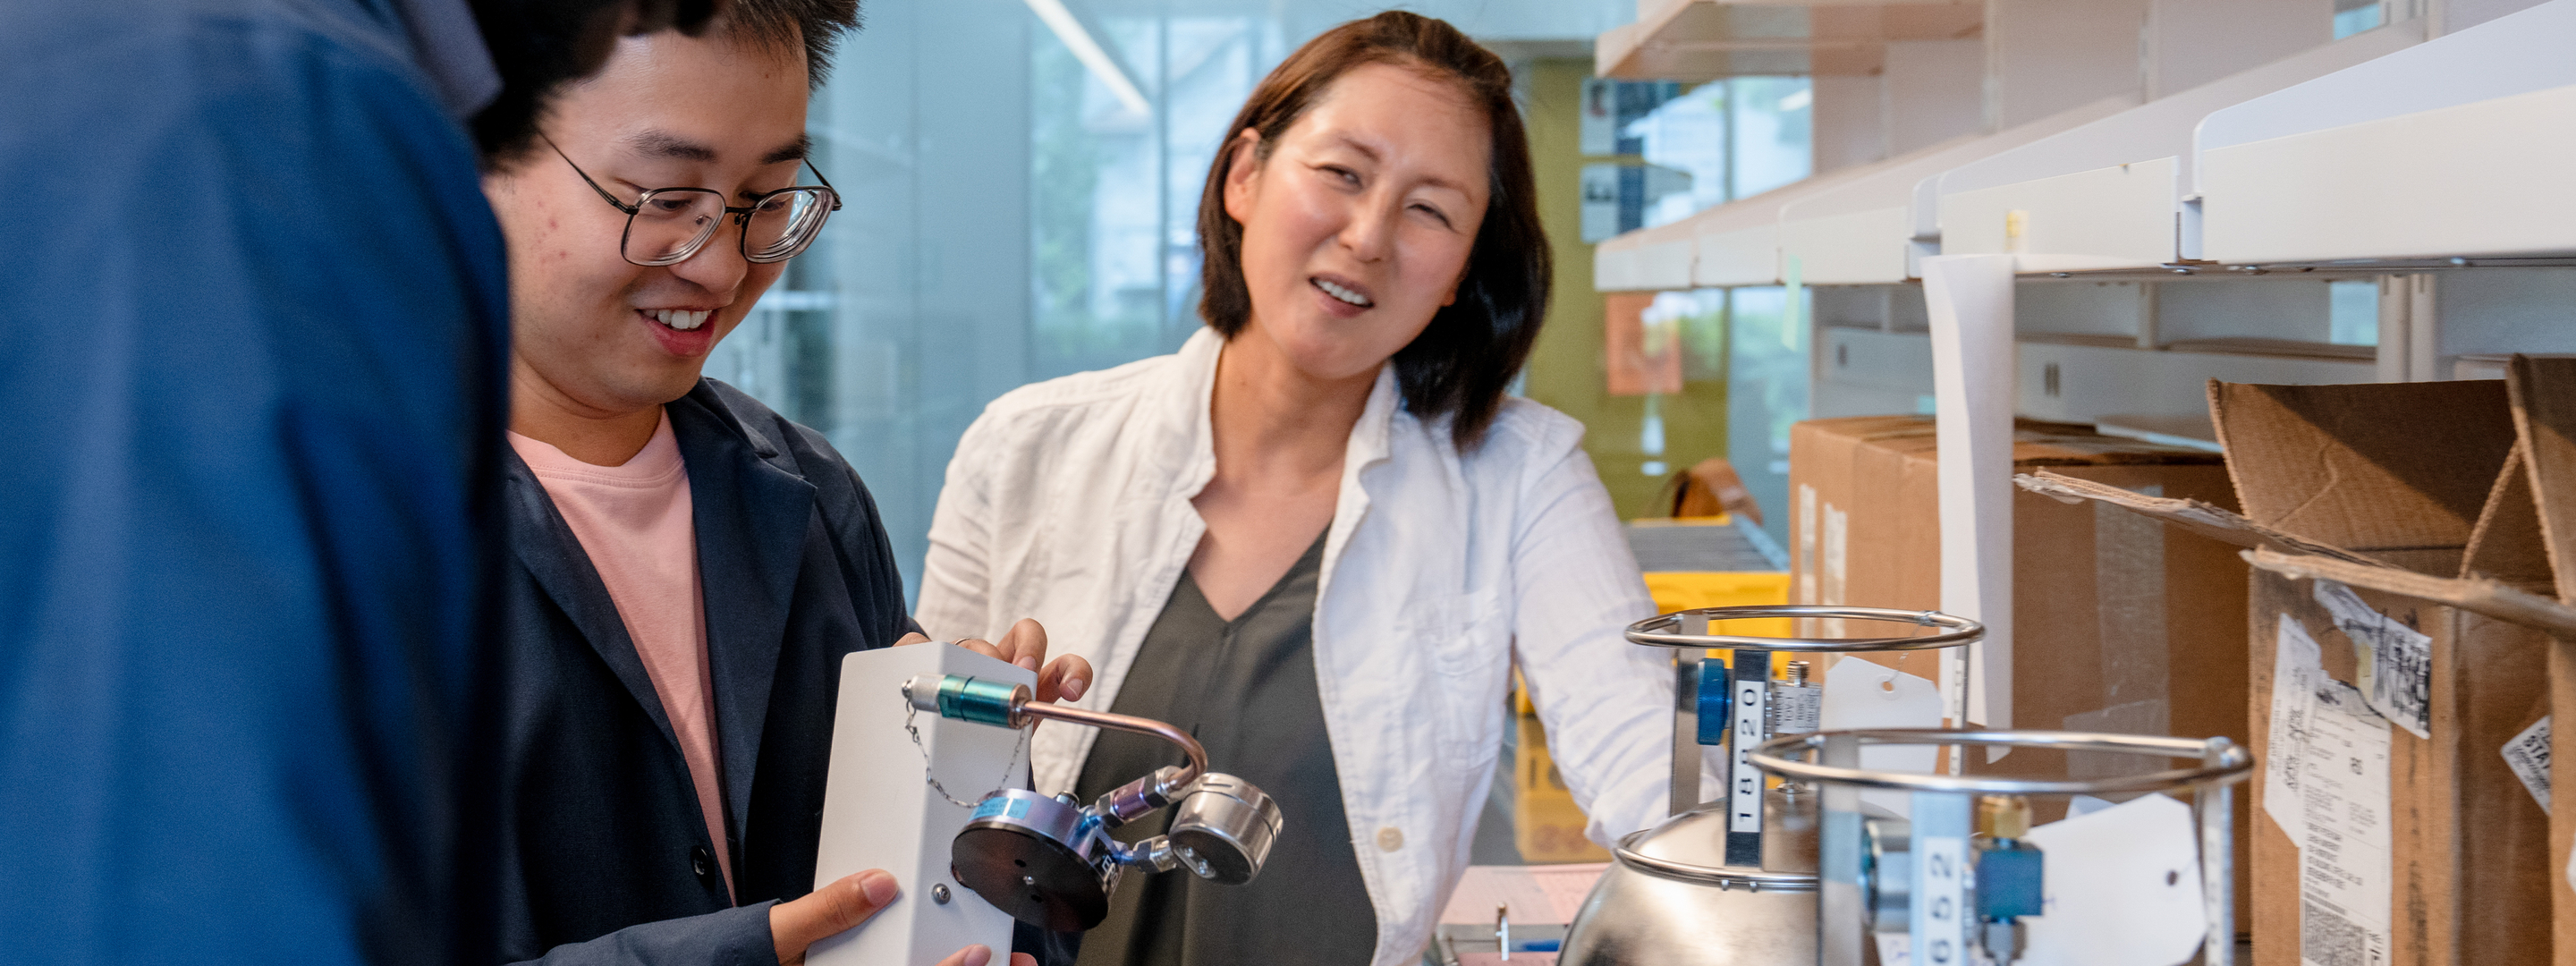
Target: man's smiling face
x=594 y=333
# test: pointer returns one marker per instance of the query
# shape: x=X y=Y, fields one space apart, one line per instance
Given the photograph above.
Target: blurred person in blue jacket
x=258 y=305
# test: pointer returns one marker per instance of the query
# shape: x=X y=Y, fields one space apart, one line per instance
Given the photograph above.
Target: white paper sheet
x=2121 y=887
x=2528 y=755
x=1970 y=302
x=2344 y=859
x=1796 y=709
x=2295 y=673
x=2396 y=660
x=1861 y=695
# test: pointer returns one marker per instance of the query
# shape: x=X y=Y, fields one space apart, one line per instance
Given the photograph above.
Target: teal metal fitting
x=976 y=700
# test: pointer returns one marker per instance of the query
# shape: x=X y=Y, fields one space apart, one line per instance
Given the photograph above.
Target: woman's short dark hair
x=1461 y=364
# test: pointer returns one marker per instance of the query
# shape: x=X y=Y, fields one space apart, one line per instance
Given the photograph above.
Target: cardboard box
x=2122 y=625
x=2415 y=497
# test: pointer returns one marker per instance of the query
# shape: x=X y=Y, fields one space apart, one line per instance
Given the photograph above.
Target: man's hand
x=1026 y=645
x=827 y=912
x=836 y=908
x=980 y=955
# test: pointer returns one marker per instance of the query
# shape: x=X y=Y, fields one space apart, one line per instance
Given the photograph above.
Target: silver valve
x=1050 y=862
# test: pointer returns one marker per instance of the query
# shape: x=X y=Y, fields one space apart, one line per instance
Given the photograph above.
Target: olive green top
x=1246 y=689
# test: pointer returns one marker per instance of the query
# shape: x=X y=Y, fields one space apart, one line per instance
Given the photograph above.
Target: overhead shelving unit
x=1736 y=243
x=2457 y=148
x=1648 y=259
x=1698 y=40
x=1864 y=230
x=2109 y=195
x=1739 y=242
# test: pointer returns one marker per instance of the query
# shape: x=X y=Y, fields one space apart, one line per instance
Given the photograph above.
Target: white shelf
x=1700 y=40
x=1739 y=242
x=2455 y=148
x=1859 y=231
x=1646 y=260
x=2110 y=194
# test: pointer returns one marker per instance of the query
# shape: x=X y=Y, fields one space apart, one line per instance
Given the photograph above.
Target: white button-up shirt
x=1069 y=501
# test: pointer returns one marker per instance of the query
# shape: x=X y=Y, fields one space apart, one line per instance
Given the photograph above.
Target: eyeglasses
x=667 y=225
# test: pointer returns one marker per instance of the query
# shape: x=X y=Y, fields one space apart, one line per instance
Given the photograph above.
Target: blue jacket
x=255 y=314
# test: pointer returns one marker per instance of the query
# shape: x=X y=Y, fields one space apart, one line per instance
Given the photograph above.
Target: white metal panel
x=873 y=818
x=2123 y=213
x=1652 y=267
x=1934 y=91
x=1746 y=256
x=1645 y=260
x=2485 y=179
x=2523 y=52
x=2096 y=381
x=2188 y=43
x=1890 y=185
x=1858 y=248
x=2163 y=128
x=2109 y=190
x=1739 y=240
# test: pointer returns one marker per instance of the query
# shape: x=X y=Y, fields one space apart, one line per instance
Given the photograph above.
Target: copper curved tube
x=1023 y=708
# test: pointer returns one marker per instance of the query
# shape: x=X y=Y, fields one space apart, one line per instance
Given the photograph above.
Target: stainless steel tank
x=1671 y=899
x=1730 y=882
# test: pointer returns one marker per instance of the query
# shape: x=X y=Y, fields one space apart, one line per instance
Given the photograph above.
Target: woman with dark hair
x=1321 y=536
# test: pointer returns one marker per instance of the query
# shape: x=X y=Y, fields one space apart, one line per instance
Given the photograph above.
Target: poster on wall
x=1642 y=346
x=1609 y=106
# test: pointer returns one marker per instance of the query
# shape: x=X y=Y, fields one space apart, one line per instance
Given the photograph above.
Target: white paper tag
x=1894 y=949
x=1859 y=694
x=1744 y=791
x=2121 y=887
x=1796 y=709
x=2344 y=858
x=2528 y=755
x=2398 y=677
x=2295 y=673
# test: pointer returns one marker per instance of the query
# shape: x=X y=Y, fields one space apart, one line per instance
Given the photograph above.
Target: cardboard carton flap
x=2507 y=545
x=2377 y=469
x=2543 y=391
x=2475 y=594
x=2209 y=520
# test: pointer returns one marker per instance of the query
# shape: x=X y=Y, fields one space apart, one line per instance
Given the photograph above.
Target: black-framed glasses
x=667 y=225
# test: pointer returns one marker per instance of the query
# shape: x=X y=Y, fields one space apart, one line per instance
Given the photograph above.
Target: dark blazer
x=599 y=828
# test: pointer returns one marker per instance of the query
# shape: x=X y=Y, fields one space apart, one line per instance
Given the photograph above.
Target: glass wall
x=1736 y=138
x=1021 y=204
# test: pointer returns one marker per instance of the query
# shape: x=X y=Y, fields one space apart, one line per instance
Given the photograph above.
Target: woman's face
x=1357 y=227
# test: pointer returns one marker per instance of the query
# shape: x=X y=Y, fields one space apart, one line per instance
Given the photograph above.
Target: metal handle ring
x=1660 y=631
x=2234 y=762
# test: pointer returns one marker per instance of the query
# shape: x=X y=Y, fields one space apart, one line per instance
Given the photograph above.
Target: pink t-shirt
x=634 y=522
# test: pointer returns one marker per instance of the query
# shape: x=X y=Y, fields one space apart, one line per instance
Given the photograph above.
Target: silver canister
x=1732 y=881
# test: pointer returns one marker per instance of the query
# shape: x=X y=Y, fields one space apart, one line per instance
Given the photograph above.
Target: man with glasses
x=688 y=567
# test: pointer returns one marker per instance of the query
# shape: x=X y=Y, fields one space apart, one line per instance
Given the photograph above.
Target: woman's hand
x=1067 y=679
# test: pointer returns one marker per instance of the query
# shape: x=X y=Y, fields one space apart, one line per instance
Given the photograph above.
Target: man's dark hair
x=540 y=45
x=1461 y=364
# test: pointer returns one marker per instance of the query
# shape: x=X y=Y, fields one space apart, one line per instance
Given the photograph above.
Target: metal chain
x=1016 y=751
